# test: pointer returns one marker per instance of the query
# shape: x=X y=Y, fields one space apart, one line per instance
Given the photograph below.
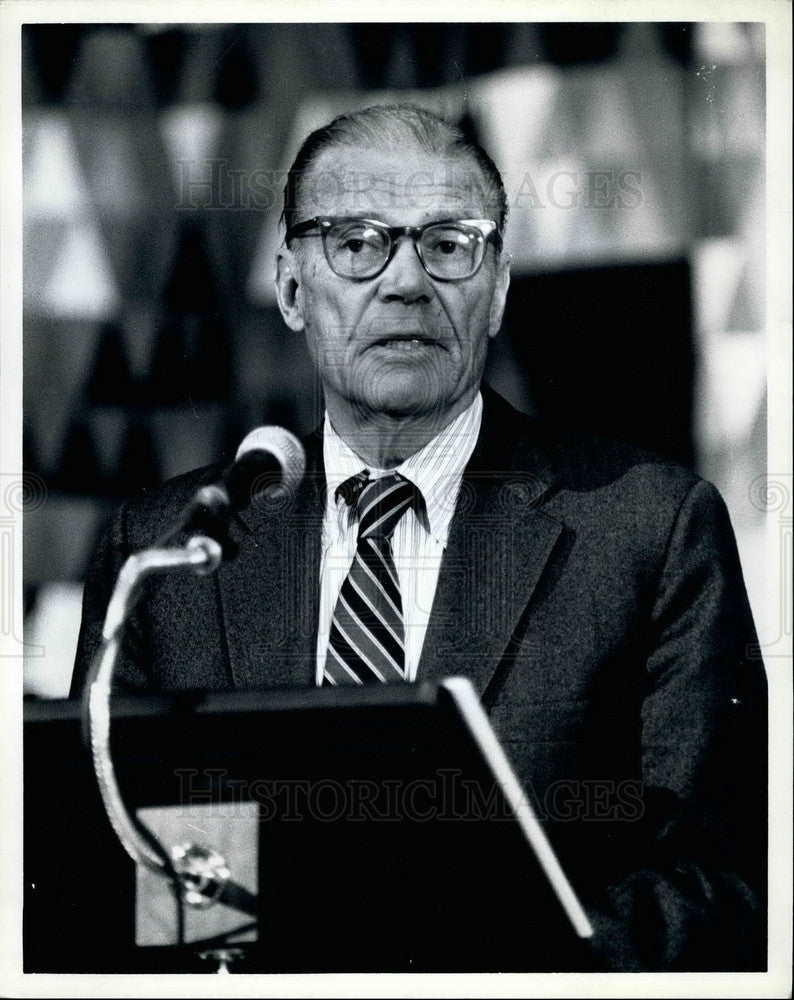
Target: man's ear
x=288 y=291
x=499 y=294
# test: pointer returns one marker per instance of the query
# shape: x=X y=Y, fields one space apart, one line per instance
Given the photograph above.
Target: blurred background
x=153 y=160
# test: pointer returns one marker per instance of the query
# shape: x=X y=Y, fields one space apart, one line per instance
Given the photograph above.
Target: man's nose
x=405 y=278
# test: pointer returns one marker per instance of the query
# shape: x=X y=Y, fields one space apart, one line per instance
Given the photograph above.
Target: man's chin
x=394 y=396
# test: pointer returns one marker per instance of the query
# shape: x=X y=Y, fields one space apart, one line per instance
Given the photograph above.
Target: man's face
x=401 y=343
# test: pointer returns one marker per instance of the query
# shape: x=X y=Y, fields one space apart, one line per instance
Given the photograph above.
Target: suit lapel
x=269 y=592
x=499 y=544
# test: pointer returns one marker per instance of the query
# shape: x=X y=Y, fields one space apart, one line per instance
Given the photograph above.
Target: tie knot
x=381 y=503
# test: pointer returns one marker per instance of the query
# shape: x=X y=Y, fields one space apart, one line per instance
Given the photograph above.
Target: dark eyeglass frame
x=485 y=230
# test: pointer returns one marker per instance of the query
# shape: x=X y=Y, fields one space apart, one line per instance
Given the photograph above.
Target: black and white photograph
x=371 y=614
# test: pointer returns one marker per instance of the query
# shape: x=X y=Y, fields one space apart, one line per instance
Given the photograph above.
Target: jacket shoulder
x=590 y=461
x=582 y=463
x=148 y=514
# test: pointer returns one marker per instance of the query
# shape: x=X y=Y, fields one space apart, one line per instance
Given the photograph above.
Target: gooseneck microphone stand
x=198 y=874
x=271 y=462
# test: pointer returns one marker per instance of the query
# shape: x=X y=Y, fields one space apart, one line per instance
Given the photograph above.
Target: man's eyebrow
x=428 y=219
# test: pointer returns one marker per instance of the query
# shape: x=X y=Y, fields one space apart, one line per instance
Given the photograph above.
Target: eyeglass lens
x=359 y=250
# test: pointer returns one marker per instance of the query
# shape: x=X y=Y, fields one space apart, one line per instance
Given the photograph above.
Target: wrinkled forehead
x=400 y=187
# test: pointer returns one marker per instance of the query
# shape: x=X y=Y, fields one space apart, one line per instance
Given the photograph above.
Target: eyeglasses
x=450 y=250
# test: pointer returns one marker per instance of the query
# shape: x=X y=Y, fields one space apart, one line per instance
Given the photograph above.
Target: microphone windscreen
x=283 y=446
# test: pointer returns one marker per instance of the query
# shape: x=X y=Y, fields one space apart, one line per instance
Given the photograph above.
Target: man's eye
x=446 y=243
x=355 y=240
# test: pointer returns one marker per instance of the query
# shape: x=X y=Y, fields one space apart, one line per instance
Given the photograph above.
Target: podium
x=366 y=829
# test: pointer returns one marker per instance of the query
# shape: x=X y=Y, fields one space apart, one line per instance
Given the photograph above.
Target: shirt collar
x=436 y=469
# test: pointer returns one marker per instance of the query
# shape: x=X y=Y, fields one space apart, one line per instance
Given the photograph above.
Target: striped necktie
x=366 y=642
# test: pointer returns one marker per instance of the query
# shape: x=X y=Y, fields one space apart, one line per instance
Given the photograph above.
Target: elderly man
x=590 y=591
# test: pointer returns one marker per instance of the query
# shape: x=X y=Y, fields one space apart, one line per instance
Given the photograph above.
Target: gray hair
x=386 y=126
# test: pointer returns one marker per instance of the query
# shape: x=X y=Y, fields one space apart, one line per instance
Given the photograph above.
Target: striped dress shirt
x=418 y=542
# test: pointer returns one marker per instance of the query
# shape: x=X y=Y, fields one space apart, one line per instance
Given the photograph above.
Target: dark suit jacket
x=593 y=594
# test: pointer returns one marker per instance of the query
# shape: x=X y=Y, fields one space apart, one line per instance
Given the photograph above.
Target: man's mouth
x=405 y=342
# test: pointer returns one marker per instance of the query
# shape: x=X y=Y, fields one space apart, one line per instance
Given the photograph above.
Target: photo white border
x=777 y=16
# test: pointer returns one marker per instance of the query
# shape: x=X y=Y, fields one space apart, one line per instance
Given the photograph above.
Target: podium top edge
x=256 y=700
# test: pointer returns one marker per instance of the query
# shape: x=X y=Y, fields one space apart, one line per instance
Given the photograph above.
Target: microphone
x=269 y=463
